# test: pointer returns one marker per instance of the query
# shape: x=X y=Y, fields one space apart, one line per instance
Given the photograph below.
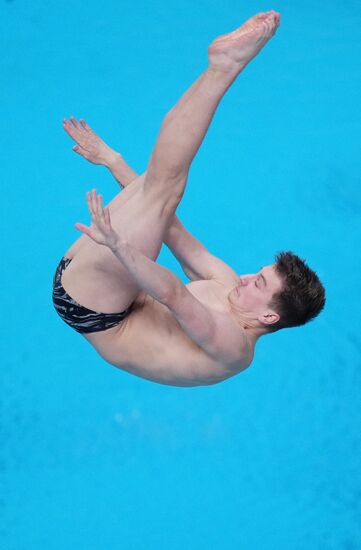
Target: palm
x=96 y=234
x=89 y=144
x=93 y=146
x=101 y=230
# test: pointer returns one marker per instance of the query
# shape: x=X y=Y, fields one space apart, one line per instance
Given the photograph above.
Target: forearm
x=154 y=279
x=121 y=171
x=186 y=248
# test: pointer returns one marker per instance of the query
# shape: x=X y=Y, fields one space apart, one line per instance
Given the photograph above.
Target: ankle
x=220 y=79
x=224 y=71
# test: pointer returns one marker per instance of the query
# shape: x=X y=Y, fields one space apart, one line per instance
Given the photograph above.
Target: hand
x=101 y=230
x=90 y=146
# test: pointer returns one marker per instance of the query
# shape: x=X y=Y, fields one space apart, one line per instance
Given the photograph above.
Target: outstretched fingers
x=76 y=129
x=75 y=123
x=96 y=212
x=91 y=200
x=100 y=230
x=71 y=130
x=107 y=216
x=77 y=126
x=84 y=228
x=95 y=205
x=85 y=125
x=99 y=207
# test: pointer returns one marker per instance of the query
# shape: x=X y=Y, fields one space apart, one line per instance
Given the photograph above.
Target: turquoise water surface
x=94 y=458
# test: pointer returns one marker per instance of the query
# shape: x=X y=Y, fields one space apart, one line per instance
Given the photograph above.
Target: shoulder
x=228 y=342
x=223 y=273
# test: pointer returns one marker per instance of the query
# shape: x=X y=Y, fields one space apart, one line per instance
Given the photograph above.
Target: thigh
x=113 y=206
x=96 y=278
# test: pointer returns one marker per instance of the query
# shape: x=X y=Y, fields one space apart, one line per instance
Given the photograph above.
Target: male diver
x=137 y=314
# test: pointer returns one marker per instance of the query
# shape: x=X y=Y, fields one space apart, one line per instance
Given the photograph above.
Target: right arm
x=196 y=261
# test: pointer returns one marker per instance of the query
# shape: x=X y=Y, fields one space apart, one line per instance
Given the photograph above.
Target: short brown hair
x=302 y=296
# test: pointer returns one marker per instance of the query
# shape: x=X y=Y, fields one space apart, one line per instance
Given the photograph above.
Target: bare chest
x=152 y=345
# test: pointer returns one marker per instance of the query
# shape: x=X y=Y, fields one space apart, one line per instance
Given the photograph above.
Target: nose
x=246 y=279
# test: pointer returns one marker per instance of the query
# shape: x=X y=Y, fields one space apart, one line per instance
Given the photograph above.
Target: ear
x=269 y=317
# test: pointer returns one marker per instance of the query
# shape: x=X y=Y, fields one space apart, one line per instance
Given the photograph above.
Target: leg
x=145 y=209
x=186 y=124
x=180 y=137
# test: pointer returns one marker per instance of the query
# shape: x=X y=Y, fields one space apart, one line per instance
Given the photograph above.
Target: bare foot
x=236 y=49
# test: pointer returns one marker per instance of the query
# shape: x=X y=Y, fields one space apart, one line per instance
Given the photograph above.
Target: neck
x=250 y=325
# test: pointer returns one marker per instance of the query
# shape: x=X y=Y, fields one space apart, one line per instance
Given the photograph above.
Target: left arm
x=156 y=280
x=165 y=287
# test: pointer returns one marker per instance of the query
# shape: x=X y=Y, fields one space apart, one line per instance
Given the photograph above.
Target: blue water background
x=94 y=458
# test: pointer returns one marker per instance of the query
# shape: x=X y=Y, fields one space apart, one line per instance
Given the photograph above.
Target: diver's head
x=280 y=295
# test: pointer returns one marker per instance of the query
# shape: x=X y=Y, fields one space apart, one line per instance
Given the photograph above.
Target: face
x=253 y=293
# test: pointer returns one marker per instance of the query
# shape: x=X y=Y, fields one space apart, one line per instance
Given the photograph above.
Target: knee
x=162 y=174
x=167 y=189
x=172 y=201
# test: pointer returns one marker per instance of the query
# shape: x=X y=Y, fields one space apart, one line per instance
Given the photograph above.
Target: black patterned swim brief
x=80 y=318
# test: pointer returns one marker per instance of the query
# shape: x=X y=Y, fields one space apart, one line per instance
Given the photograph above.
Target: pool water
x=92 y=457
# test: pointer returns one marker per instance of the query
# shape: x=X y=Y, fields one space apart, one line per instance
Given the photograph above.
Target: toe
x=262 y=16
